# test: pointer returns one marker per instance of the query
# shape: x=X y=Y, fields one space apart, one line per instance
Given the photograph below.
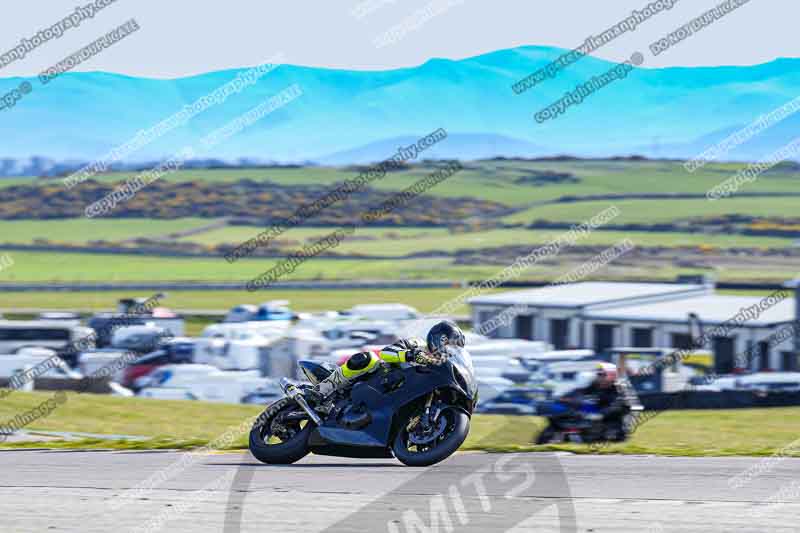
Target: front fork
x=426 y=419
x=292 y=392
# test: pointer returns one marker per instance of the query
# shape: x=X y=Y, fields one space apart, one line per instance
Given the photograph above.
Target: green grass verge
x=751 y=432
x=173 y=424
x=185 y=424
x=301 y=300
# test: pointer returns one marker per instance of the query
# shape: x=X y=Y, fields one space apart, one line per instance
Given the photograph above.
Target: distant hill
x=355 y=116
x=463 y=146
x=43 y=166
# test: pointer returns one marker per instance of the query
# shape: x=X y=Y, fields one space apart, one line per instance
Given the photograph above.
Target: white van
x=203 y=382
x=93 y=361
x=237 y=346
x=32 y=363
x=57 y=335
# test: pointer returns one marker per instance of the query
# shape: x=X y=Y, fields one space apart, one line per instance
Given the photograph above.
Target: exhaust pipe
x=291 y=391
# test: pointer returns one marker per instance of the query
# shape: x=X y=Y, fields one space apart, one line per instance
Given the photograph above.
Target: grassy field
x=89 y=268
x=367 y=241
x=301 y=235
x=506 y=181
x=79 y=267
x=497 y=180
x=185 y=424
x=404 y=241
x=652 y=211
x=83 y=230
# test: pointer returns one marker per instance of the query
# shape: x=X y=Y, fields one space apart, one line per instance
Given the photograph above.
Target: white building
x=600 y=315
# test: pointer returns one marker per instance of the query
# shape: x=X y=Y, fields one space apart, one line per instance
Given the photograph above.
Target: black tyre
x=444 y=441
x=277 y=440
x=546 y=436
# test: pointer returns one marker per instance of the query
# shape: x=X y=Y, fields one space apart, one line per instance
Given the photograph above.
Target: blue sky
x=185 y=37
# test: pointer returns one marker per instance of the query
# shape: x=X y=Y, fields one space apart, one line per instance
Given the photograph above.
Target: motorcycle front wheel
x=280 y=435
x=418 y=445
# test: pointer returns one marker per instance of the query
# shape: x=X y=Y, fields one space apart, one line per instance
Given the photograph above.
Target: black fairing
x=388 y=395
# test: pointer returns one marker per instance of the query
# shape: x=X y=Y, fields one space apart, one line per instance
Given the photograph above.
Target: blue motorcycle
x=581 y=423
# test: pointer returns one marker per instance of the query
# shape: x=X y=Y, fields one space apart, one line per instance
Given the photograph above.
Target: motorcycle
x=583 y=423
x=418 y=414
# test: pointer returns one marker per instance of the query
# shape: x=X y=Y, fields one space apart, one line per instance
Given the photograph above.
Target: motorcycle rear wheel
x=456 y=431
x=546 y=436
x=292 y=437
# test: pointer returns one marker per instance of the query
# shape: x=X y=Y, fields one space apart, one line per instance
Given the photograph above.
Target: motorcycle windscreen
x=462 y=360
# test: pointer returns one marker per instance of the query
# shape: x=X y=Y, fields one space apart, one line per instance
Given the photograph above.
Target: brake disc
x=427 y=435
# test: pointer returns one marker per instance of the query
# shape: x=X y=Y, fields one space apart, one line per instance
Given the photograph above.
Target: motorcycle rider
x=614 y=396
x=410 y=350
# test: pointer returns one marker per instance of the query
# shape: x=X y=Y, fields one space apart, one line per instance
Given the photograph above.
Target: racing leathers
x=411 y=350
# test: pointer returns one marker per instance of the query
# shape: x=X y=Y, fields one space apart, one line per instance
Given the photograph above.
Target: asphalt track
x=90 y=491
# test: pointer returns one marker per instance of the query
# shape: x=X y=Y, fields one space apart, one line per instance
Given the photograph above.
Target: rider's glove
x=421 y=357
x=414 y=355
x=412 y=344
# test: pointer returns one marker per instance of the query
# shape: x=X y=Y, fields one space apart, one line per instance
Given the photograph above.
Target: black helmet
x=442 y=334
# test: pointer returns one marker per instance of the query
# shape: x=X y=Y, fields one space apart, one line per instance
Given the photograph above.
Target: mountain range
x=346 y=117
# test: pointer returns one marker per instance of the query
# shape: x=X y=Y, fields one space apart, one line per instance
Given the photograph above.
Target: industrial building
x=601 y=315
